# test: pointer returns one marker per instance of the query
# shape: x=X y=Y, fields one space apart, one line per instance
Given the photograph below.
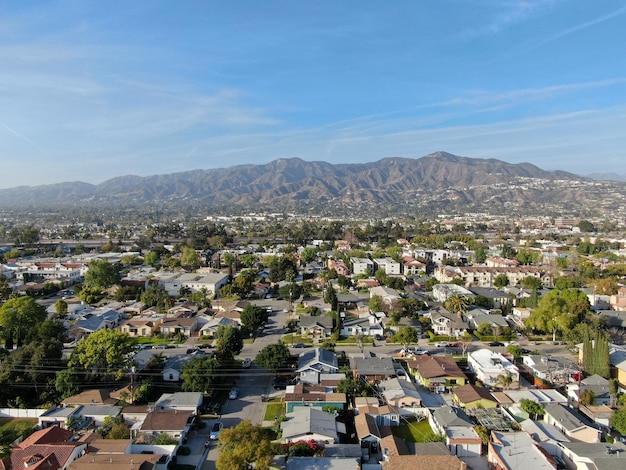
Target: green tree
x=532 y=282
x=67 y=382
x=559 y=310
x=274 y=357
x=504 y=380
x=228 y=342
x=5 y=290
x=500 y=281
x=190 y=259
x=151 y=258
x=200 y=374
x=330 y=297
x=90 y=294
x=253 y=317
x=531 y=407
x=18 y=316
x=618 y=420
x=243 y=283
x=61 y=308
x=155 y=296
x=406 y=335
x=596 y=353
x=291 y=291
x=484 y=329
x=243 y=447
x=308 y=254
x=587 y=397
x=102 y=274
x=457 y=304
x=586 y=226
x=376 y=303
x=103 y=352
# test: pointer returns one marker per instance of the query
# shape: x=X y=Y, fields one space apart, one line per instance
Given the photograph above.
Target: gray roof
x=489 y=292
x=597 y=384
x=179 y=400
x=373 y=365
x=100 y=410
x=614 y=317
x=566 y=416
x=603 y=455
x=451 y=416
x=312 y=320
x=395 y=388
x=309 y=419
x=321 y=360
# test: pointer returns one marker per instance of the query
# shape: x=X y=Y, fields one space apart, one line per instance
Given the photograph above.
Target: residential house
x=210 y=328
x=367 y=431
x=107 y=461
x=181 y=401
x=94 y=320
x=141 y=327
x=98 y=413
x=94 y=396
x=571 y=423
x=600 y=455
x=596 y=384
x=478 y=316
x=400 y=393
x=315 y=362
x=617 y=359
x=470 y=396
x=437 y=373
x=446 y=323
x=174 y=423
x=618 y=301
x=309 y=423
x=447 y=416
x=545 y=435
x=59 y=417
x=496 y=297
x=372 y=368
x=517 y=451
x=484 y=276
x=463 y=441
x=339 y=266
x=412 y=267
x=365 y=325
x=317 y=326
x=52 y=448
x=388 y=295
x=179 y=326
x=430 y=462
x=487 y=365
x=173 y=366
x=600 y=415
x=442 y=292
x=389 y=265
x=303 y=394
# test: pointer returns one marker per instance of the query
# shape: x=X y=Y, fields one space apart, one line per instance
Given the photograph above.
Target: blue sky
x=93 y=90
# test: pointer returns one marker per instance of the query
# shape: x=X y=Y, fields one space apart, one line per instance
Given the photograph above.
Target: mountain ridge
x=438 y=180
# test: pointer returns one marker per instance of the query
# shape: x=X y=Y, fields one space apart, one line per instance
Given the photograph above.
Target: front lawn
x=272 y=409
x=12 y=428
x=415 y=431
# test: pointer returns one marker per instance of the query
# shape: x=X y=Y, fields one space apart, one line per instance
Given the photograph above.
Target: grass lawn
x=14 y=427
x=415 y=431
x=273 y=409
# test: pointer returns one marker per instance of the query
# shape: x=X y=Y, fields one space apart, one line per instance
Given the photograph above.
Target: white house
x=488 y=365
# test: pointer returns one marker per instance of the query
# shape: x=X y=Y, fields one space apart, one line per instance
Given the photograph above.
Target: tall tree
x=559 y=310
x=253 y=316
x=243 y=447
x=18 y=316
x=199 y=374
x=457 y=304
x=102 y=353
x=228 y=342
x=274 y=357
x=102 y=274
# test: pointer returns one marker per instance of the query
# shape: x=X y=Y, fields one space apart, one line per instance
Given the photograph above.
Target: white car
x=442 y=344
x=247 y=362
x=234 y=393
x=215 y=431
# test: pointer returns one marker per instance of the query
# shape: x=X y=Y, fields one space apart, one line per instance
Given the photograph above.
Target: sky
x=94 y=90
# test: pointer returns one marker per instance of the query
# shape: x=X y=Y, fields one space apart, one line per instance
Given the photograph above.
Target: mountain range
x=436 y=183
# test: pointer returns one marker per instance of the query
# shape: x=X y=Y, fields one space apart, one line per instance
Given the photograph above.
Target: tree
x=606 y=286
x=308 y=254
x=190 y=259
x=155 y=296
x=253 y=316
x=376 y=303
x=243 y=447
x=243 y=283
x=484 y=329
x=406 y=335
x=67 y=382
x=586 y=226
x=500 y=281
x=18 y=316
x=291 y=291
x=103 y=352
x=587 y=397
x=457 y=304
x=596 y=353
x=531 y=282
x=330 y=297
x=504 y=380
x=199 y=374
x=102 y=274
x=228 y=342
x=559 y=310
x=531 y=407
x=274 y=357
x=5 y=290
x=151 y=258
x=61 y=308
x=90 y=294
x=618 y=420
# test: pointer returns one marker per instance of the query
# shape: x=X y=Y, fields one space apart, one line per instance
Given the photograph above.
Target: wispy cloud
x=585 y=25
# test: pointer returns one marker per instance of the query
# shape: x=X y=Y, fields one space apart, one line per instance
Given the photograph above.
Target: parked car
x=247 y=362
x=215 y=431
x=234 y=393
x=442 y=344
x=420 y=352
x=495 y=344
x=379 y=337
x=298 y=345
x=280 y=384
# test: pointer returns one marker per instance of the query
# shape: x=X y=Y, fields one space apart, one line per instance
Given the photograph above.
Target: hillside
x=439 y=182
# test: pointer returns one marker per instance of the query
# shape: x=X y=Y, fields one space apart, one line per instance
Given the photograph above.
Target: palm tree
x=504 y=380
x=457 y=304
